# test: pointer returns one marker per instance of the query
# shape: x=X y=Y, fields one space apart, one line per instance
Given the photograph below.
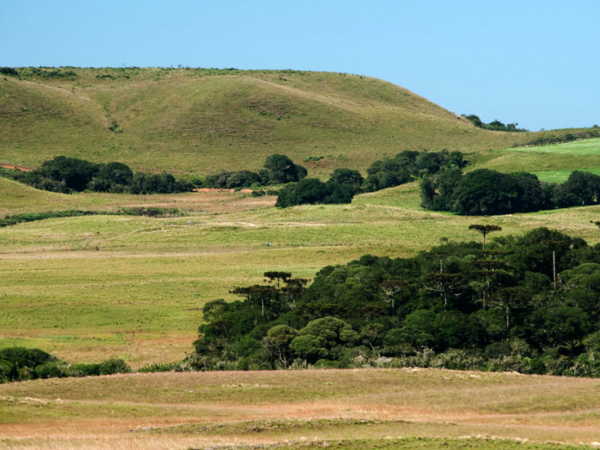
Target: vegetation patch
x=270 y=426
x=66 y=175
x=495 y=125
x=134 y=211
x=487 y=192
x=410 y=444
x=522 y=304
x=23 y=364
x=344 y=184
x=278 y=169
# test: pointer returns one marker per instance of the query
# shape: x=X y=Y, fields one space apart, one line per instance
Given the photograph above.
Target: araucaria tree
x=485 y=230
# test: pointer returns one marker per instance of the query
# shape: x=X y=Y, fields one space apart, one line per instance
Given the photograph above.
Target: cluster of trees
x=344 y=184
x=10 y=71
x=495 y=125
x=341 y=187
x=278 y=169
x=21 y=364
x=524 y=303
x=67 y=175
x=408 y=166
x=487 y=192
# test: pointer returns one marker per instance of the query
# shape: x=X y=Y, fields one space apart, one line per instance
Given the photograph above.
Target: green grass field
x=553 y=163
x=139 y=295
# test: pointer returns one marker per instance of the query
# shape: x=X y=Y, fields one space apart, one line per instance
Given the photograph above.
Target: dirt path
x=11 y=167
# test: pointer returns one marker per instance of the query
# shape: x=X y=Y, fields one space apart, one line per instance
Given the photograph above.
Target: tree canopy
x=494 y=308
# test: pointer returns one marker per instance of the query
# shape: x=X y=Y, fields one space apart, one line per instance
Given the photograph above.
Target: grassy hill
x=204 y=120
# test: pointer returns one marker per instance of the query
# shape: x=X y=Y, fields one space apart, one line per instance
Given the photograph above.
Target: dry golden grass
x=19 y=198
x=199 y=409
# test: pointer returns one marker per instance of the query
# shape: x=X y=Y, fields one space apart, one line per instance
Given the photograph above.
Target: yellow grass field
x=393 y=407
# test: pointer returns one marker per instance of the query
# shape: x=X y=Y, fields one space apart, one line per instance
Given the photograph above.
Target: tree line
x=524 y=303
x=67 y=175
x=494 y=125
x=22 y=364
x=488 y=192
x=278 y=169
x=344 y=184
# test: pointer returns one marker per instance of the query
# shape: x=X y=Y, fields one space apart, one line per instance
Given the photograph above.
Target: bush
x=74 y=173
x=495 y=125
x=162 y=367
x=112 y=366
x=84 y=370
x=57 y=369
x=25 y=357
x=9 y=71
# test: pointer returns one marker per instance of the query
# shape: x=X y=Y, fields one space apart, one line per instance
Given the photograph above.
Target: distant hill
x=206 y=120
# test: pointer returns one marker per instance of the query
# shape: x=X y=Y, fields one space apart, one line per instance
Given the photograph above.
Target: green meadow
x=133 y=287
x=552 y=163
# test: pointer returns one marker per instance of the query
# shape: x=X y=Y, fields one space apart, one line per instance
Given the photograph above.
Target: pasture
x=139 y=296
x=348 y=409
x=553 y=163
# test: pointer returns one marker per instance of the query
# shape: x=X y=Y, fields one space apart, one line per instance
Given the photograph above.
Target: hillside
x=204 y=120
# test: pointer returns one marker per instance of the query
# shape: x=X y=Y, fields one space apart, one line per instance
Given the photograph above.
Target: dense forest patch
x=67 y=175
x=520 y=303
x=488 y=192
x=344 y=184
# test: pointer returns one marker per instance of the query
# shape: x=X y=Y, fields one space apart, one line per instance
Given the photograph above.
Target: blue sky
x=534 y=62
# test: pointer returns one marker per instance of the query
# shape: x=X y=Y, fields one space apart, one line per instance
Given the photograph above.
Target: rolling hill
x=204 y=120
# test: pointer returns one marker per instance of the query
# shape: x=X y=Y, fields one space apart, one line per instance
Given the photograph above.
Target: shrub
x=112 y=366
x=9 y=71
x=25 y=357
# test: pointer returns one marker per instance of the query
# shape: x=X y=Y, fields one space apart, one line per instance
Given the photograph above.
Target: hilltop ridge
x=206 y=120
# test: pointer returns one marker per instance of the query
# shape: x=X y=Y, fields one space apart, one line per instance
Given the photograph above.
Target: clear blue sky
x=535 y=62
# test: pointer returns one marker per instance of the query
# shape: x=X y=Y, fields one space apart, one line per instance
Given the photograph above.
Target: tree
x=554 y=245
x=306 y=191
x=75 y=173
x=488 y=268
x=427 y=193
x=560 y=325
x=353 y=178
x=112 y=177
x=486 y=192
x=584 y=187
x=446 y=284
x=485 y=230
x=279 y=276
x=390 y=290
x=259 y=295
x=283 y=170
x=508 y=299
x=278 y=341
